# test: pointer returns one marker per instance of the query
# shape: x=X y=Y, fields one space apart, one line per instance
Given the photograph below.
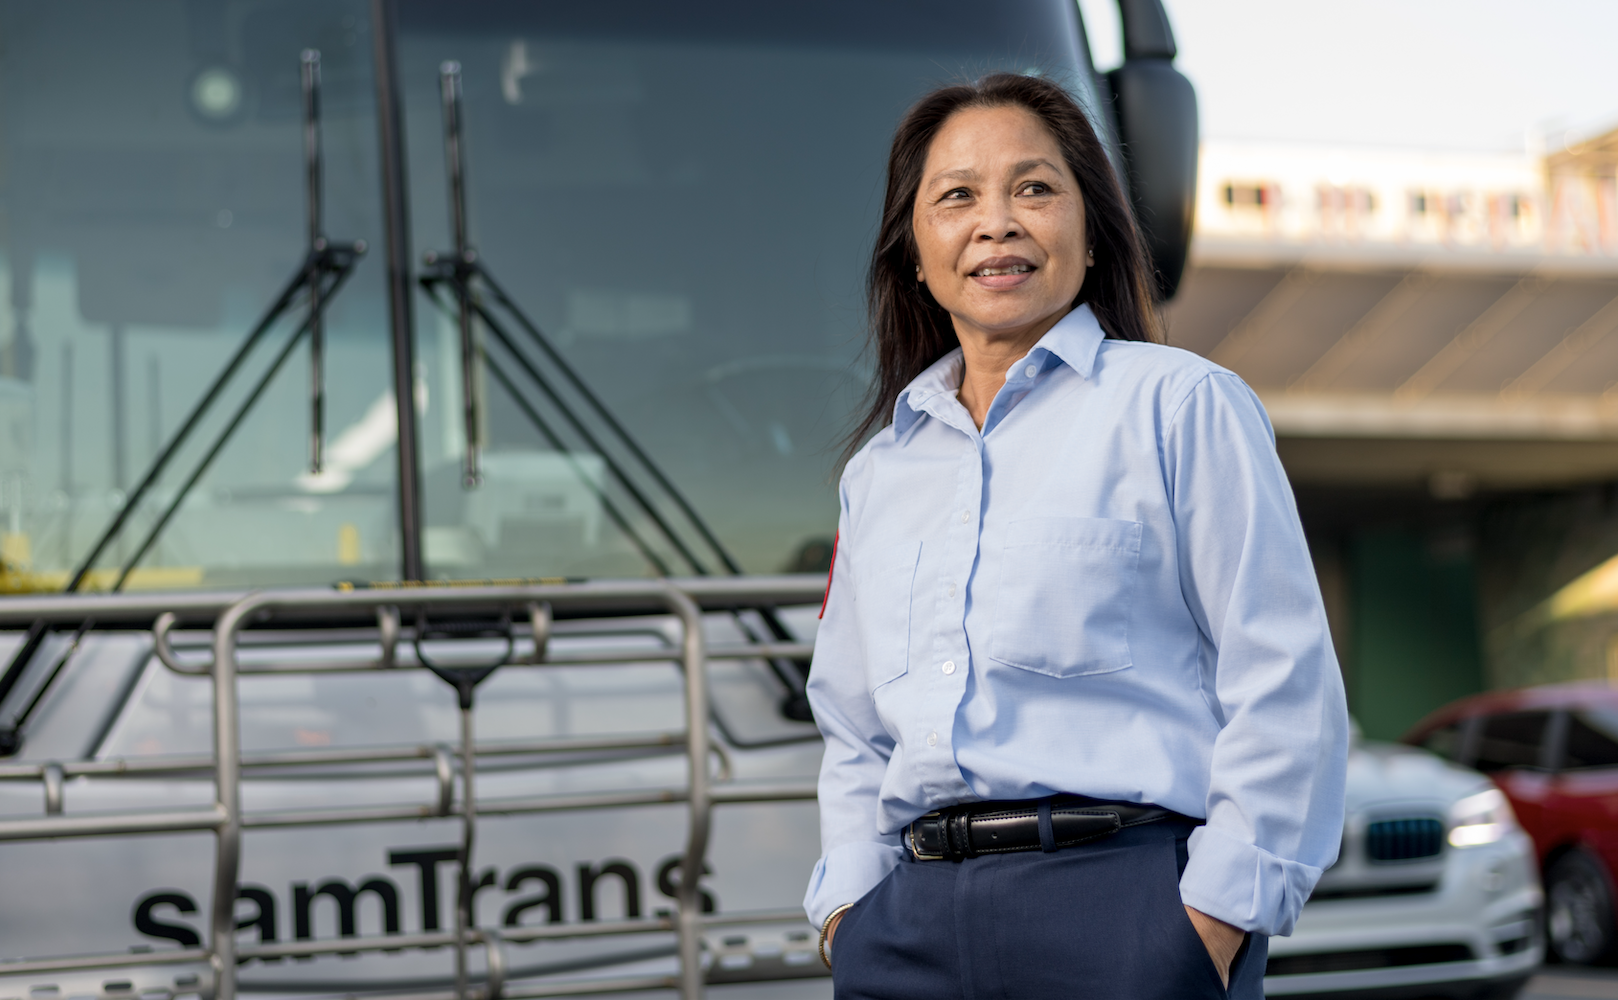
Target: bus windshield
x=679 y=198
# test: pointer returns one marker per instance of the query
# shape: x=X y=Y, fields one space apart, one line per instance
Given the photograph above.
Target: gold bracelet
x=825 y=927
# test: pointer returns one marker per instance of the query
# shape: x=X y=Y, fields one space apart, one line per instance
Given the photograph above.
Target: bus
x=418 y=431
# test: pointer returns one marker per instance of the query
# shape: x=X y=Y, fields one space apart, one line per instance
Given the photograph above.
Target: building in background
x=1435 y=337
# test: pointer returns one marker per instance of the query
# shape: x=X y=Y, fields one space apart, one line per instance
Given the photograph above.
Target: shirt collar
x=1073 y=341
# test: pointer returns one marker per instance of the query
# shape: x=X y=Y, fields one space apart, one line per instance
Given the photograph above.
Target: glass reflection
x=683 y=200
x=153 y=207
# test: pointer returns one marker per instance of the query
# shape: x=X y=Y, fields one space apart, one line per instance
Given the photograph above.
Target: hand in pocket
x=1222 y=940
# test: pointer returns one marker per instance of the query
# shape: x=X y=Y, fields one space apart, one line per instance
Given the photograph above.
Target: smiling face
x=999 y=226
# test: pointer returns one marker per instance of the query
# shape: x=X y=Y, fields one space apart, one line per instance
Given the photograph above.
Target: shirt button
x=1031 y=371
x=949 y=666
x=932 y=739
x=966 y=516
x=952 y=590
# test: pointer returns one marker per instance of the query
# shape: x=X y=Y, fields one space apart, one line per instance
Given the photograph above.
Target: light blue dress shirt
x=1104 y=592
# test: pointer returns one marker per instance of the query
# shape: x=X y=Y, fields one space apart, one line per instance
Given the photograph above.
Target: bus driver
x=1085 y=733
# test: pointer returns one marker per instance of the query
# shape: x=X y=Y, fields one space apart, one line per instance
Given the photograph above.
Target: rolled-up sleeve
x=854 y=857
x=1275 y=796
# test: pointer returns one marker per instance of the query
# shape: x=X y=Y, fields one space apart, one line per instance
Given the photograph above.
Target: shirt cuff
x=846 y=874
x=1244 y=885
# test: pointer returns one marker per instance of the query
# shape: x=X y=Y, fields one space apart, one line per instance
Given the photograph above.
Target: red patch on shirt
x=829 y=571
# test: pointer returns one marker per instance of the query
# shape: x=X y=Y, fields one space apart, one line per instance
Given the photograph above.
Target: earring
x=1090 y=258
x=918 y=274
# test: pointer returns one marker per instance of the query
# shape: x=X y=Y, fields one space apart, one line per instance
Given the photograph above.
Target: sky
x=1433 y=74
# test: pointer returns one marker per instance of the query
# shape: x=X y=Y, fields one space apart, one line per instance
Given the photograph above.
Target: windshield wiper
x=326 y=266
x=462 y=277
x=460 y=280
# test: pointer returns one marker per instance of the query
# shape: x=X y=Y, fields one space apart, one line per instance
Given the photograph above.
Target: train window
x=1512 y=739
x=1592 y=739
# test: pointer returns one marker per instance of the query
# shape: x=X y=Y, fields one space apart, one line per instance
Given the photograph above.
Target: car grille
x=1404 y=839
x=1373 y=891
x=1371 y=958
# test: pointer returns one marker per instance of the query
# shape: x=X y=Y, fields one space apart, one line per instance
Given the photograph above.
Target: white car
x=1435 y=892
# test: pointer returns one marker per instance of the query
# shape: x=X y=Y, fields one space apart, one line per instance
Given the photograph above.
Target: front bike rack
x=685 y=600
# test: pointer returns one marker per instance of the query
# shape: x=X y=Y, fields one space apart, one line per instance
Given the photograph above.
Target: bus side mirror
x=1155 y=108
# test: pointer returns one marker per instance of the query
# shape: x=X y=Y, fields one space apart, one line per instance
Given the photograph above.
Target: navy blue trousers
x=1101 y=920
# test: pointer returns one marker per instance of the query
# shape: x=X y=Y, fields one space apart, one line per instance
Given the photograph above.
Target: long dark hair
x=909 y=330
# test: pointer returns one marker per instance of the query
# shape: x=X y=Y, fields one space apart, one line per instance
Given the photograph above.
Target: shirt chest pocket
x=1066 y=589
x=883 y=582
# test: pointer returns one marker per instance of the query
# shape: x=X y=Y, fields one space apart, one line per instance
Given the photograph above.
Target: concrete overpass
x=1435 y=337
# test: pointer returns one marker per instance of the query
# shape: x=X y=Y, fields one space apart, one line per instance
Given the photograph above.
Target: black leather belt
x=1048 y=824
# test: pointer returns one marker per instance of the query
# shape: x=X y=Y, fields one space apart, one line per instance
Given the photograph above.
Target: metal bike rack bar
x=685 y=600
x=140 y=610
x=184 y=763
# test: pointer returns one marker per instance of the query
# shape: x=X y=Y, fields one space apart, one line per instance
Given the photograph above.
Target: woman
x=1085 y=734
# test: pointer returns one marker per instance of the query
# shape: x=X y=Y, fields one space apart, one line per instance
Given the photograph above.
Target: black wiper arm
x=326 y=265
x=549 y=433
x=311 y=327
x=644 y=502
x=464 y=272
x=606 y=416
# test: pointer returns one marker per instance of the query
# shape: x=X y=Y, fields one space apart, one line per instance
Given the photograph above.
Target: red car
x=1554 y=751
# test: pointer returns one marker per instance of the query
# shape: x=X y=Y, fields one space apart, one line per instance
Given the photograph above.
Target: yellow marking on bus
x=144 y=578
x=348 y=544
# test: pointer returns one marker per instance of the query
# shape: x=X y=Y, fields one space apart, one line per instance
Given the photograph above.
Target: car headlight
x=1480 y=819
